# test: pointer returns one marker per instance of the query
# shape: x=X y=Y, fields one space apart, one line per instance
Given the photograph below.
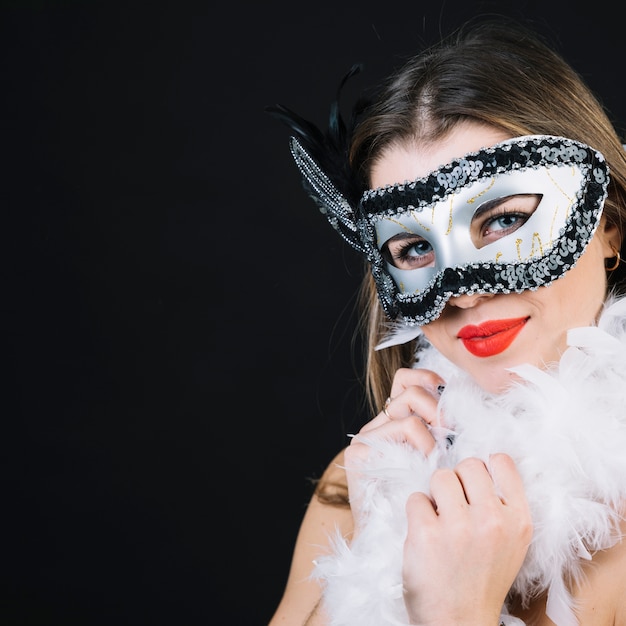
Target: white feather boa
x=566 y=429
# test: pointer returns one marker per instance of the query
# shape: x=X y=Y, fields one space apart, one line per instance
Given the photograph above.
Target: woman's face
x=485 y=333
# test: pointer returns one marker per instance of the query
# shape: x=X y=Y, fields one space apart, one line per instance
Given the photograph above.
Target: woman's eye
x=506 y=221
x=501 y=218
x=409 y=253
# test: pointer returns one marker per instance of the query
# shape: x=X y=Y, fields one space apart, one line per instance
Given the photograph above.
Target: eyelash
x=488 y=220
x=403 y=250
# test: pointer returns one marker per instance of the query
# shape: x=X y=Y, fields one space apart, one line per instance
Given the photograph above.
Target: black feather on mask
x=322 y=158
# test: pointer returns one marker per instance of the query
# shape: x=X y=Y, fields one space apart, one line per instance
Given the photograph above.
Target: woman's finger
x=406 y=377
x=507 y=481
x=411 y=430
x=414 y=401
x=414 y=392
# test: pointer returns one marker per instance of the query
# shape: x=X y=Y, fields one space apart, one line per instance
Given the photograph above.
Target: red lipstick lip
x=491 y=337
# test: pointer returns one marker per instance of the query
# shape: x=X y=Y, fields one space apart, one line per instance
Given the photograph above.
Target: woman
x=486 y=187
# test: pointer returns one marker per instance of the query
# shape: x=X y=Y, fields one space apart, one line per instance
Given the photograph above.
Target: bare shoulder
x=332 y=487
x=600 y=595
x=602 y=592
x=327 y=513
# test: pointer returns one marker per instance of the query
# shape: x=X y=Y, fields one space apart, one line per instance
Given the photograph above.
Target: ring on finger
x=387 y=402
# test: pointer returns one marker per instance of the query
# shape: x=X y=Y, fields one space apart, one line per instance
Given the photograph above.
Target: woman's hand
x=408 y=417
x=465 y=546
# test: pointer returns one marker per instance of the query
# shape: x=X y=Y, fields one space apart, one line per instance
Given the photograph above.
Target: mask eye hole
x=408 y=251
x=501 y=217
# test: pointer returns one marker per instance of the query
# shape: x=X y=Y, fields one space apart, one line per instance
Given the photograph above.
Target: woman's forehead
x=410 y=160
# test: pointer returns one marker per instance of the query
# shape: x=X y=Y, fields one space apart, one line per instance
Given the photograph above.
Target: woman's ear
x=611 y=238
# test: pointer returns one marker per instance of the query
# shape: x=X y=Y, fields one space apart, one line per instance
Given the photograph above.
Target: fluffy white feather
x=399 y=333
x=566 y=429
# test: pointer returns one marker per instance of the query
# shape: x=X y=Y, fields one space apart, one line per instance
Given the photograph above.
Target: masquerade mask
x=508 y=218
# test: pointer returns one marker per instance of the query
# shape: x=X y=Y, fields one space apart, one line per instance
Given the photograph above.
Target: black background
x=178 y=315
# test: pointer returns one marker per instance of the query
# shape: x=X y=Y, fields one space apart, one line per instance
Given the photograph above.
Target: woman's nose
x=467 y=302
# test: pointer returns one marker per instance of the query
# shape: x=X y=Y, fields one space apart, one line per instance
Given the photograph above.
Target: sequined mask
x=439 y=216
